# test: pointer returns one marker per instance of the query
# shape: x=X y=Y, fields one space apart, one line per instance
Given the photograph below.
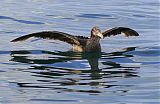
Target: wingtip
x=22 y=38
x=136 y=34
x=14 y=40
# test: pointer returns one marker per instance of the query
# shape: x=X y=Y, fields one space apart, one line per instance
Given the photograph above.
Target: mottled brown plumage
x=81 y=43
x=119 y=30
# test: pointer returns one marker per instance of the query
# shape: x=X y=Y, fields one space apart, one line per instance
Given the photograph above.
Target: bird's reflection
x=45 y=67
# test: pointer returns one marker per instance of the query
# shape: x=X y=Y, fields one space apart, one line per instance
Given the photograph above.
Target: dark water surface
x=41 y=71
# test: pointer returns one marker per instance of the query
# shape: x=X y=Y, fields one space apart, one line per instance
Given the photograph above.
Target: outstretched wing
x=119 y=30
x=55 y=35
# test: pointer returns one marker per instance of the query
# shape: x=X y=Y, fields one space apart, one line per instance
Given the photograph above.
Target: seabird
x=81 y=43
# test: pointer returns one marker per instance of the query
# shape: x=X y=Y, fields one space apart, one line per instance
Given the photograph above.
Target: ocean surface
x=40 y=71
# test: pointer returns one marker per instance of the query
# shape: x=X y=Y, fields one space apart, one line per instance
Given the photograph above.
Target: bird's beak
x=100 y=35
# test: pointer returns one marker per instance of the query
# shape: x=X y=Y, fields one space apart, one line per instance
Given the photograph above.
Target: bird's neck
x=95 y=38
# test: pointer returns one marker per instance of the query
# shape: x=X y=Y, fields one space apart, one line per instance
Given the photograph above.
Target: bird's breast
x=77 y=48
x=93 y=46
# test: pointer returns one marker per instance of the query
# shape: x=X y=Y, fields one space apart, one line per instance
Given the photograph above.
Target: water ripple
x=20 y=21
x=60 y=17
x=52 y=100
x=101 y=16
x=51 y=76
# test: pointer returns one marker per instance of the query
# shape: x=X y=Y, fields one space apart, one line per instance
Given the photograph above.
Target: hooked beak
x=100 y=35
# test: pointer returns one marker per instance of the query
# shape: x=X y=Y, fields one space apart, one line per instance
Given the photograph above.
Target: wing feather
x=55 y=35
x=119 y=30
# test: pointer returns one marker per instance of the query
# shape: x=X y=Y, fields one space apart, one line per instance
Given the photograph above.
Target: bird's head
x=96 y=32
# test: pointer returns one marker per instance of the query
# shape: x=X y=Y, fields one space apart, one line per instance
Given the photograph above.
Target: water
x=43 y=71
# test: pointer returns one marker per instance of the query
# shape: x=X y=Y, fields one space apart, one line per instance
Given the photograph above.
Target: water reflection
x=72 y=69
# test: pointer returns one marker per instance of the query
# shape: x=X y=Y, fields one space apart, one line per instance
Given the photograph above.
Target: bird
x=81 y=43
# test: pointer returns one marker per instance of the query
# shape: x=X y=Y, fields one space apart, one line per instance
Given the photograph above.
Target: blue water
x=41 y=71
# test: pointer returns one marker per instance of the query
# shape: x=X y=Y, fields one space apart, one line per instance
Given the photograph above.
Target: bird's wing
x=82 y=40
x=55 y=35
x=119 y=30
